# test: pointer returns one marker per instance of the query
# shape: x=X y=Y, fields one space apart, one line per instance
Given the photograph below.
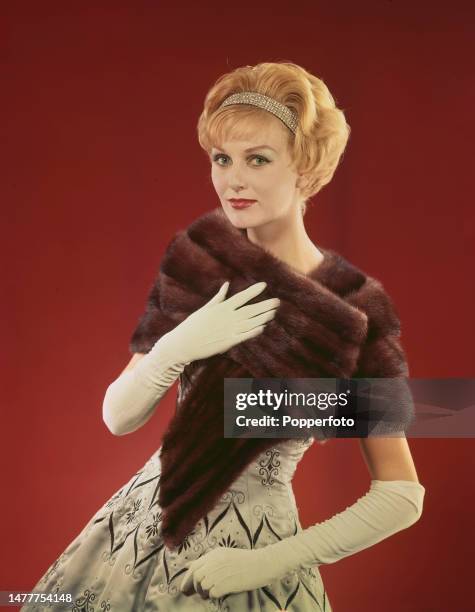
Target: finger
x=247 y=294
x=196 y=584
x=207 y=583
x=204 y=586
x=219 y=297
x=187 y=582
x=203 y=582
x=215 y=592
x=253 y=322
x=198 y=575
x=251 y=333
x=251 y=310
x=189 y=591
x=202 y=592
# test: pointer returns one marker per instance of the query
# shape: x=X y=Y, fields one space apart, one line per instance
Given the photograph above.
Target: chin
x=240 y=218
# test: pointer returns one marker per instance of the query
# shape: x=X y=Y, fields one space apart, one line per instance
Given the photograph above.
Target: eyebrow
x=253 y=148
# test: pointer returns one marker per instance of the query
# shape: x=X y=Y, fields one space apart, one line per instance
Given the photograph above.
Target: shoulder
x=368 y=294
x=379 y=307
x=382 y=354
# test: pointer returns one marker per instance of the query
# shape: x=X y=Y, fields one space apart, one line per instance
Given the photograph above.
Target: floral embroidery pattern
x=227 y=542
x=131 y=511
x=113 y=500
x=82 y=604
x=132 y=517
x=308 y=574
x=269 y=467
x=152 y=530
x=186 y=542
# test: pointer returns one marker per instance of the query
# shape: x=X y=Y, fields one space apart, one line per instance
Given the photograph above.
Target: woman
x=211 y=523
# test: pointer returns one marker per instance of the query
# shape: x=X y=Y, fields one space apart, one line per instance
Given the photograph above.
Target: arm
x=131 y=400
x=388 y=507
x=394 y=501
x=212 y=329
x=388 y=458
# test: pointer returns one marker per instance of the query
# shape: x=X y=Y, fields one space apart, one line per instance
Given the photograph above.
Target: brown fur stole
x=334 y=322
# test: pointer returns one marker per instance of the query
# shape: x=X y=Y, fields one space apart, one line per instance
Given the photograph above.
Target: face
x=258 y=169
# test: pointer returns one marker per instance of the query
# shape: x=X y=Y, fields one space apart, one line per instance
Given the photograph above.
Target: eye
x=260 y=158
x=218 y=156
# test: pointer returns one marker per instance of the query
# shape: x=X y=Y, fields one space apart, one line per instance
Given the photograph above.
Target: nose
x=236 y=179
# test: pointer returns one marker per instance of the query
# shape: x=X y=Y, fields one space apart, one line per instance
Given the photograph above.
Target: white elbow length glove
x=388 y=507
x=130 y=399
x=214 y=328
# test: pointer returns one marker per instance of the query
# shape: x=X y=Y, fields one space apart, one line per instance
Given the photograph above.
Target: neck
x=286 y=238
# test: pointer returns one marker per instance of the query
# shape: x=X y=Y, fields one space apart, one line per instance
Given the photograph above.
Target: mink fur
x=334 y=322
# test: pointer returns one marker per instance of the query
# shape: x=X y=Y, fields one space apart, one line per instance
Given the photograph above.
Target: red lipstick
x=241 y=203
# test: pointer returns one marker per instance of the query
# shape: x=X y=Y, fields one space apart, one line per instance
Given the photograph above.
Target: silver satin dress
x=119 y=563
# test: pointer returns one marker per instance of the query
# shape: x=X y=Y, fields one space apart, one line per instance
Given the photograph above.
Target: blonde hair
x=322 y=133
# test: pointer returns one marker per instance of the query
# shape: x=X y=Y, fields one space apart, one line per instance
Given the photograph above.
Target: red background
x=102 y=167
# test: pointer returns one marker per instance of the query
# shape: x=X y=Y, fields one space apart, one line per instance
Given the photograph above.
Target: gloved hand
x=219 y=324
x=389 y=506
x=229 y=570
x=214 y=328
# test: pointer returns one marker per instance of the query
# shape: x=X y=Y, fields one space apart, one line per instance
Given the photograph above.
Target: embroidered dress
x=118 y=562
x=334 y=322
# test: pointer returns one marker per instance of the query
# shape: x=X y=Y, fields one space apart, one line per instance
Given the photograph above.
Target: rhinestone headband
x=254 y=98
